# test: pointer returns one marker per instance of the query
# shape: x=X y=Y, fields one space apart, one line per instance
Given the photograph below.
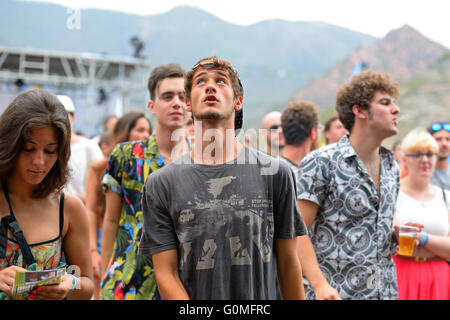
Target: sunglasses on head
x=213 y=61
x=438 y=126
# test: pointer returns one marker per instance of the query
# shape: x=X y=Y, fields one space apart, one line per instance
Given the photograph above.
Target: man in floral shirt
x=347 y=192
x=128 y=275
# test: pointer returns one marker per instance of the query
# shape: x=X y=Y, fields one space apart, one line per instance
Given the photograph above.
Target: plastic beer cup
x=407 y=240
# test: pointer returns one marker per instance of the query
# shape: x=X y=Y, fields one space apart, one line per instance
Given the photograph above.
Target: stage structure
x=99 y=84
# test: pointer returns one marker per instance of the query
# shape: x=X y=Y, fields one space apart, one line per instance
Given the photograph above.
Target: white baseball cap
x=67 y=103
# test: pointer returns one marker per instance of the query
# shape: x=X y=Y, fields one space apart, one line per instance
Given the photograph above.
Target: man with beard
x=441 y=133
x=217 y=224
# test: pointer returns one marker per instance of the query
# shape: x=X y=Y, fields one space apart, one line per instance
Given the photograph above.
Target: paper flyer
x=25 y=282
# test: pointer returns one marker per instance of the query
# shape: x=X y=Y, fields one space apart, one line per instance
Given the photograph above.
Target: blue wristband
x=424 y=239
x=75 y=281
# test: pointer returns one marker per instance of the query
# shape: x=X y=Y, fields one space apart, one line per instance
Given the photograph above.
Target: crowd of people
x=194 y=209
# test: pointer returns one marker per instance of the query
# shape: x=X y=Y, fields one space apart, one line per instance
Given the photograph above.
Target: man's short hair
x=360 y=91
x=216 y=63
x=297 y=120
x=329 y=122
x=171 y=70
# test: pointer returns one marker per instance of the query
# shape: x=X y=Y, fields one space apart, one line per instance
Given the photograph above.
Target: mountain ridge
x=425 y=98
x=403 y=53
x=274 y=57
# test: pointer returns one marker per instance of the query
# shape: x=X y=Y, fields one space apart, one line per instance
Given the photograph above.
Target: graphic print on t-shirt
x=221 y=219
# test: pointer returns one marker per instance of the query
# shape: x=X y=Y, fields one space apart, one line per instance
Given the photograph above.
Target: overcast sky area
x=374 y=17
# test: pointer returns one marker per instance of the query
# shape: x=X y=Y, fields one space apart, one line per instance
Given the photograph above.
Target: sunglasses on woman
x=418 y=155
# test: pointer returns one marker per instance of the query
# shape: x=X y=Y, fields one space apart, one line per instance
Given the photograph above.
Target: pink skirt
x=423 y=280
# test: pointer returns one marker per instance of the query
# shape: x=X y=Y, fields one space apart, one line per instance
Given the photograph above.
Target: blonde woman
x=426 y=274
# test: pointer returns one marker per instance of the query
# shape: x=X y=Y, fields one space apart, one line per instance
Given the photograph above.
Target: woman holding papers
x=39 y=224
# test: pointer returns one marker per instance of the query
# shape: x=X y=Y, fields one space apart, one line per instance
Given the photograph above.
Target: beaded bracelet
x=75 y=281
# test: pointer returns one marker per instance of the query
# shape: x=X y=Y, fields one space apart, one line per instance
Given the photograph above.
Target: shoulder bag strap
x=3 y=237
x=14 y=226
x=443 y=194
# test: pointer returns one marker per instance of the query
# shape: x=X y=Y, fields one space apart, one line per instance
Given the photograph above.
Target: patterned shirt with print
x=352 y=232
x=130 y=276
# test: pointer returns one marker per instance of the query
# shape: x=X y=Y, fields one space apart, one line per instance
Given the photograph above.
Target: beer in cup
x=407 y=240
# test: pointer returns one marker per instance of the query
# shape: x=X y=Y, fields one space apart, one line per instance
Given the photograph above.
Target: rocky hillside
x=424 y=98
x=403 y=53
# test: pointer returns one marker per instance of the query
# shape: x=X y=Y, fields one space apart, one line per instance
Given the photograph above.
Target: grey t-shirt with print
x=223 y=220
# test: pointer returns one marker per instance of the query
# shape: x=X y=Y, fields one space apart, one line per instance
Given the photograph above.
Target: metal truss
x=45 y=67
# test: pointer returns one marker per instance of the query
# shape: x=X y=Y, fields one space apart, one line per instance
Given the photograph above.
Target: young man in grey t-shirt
x=221 y=222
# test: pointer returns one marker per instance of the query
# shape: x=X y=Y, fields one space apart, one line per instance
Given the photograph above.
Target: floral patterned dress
x=130 y=276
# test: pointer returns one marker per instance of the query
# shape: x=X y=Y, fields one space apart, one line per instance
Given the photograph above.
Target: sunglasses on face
x=418 y=155
x=274 y=127
x=438 y=126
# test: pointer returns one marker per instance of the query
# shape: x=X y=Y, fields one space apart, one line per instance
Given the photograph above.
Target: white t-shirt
x=83 y=153
x=432 y=214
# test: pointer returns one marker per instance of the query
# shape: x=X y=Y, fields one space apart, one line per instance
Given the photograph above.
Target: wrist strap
x=423 y=238
x=75 y=281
